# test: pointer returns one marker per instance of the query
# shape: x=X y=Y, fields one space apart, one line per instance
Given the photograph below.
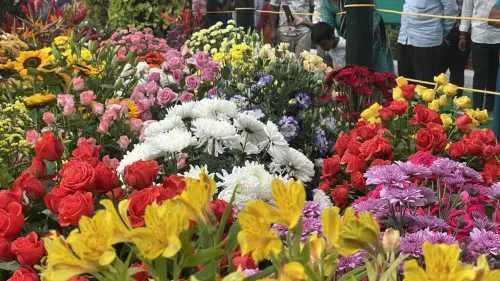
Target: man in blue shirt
x=420 y=38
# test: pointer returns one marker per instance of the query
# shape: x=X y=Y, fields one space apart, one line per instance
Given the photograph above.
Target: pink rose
x=200 y=60
x=151 y=88
x=69 y=109
x=186 y=97
x=32 y=136
x=65 y=99
x=98 y=108
x=87 y=97
x=49 y=118
x=135 y=124
x=192 y=82
x=181 y=164
x=123 y=142
x=207 y=75
x=166 y=96
x=177 y=75
x=78 y=83
x=103 y=127
x=184 y=50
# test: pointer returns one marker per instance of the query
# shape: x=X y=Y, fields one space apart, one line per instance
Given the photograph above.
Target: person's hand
x=462 y=43
x=299 y=22
x=447 y=42
x=273 y=36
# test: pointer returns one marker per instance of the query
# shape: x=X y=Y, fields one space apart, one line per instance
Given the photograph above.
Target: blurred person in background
x=485 y=49
x=219 y=6
x=282 y=31
x=263 y=25
x=454 y=58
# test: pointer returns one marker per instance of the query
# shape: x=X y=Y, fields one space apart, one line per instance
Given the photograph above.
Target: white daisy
x=183 y=110
x=323 y=199
x=252 y=129
x=195 y=171
x=175 y=140
x=295 y=164
x=278 y=146
x=165 y=125
x=216 y=134
x=215 y=109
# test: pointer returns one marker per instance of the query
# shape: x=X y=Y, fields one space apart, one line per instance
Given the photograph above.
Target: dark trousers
x=417 y=62
x=454 y=60
x=485 y=64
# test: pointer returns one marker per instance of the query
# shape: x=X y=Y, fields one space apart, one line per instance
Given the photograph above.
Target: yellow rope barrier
x=436 y=16
x=460 y=88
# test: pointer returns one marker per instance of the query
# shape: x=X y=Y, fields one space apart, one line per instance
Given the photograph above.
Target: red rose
x=440 y=138
x=6 y=254
x=424 y=140
x=399 y=107
x=324 y=186
x=141 y=174
x=491 y=171
x=354 y=164
x=54 y=197
x=38 y=167
x=11 y=220
x=422 y=158
x=105 y=179
x=341 y=144
x=245 y=262
x=386 y=113
x=331 y=167
x=340 y=194
x=366 y=131
x=73 y=207
x=8 y=196
x=357 y=181
x=380 y=162
x=368 y=149
x=463 y=122
x=77 y=176
x=24 y=274
x=33 y=187
x=408 y=91
x=28 y=249
x=218 y=207
x=140 y=276
x=174 y=183
x=423 y=115
x=87 y=152
x=79 y=278
x=116 y=194
x=139 y=200
x=457 y=149
x=49 y=147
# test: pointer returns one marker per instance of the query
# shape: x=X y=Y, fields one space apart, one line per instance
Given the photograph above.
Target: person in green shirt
x=382 y=55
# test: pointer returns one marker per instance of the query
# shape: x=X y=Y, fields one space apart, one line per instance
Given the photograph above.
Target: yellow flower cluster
x=312 y=63
x=10 y=47
x=371 y=114
x=39 y=60
x=13 y=121
x=39 y=100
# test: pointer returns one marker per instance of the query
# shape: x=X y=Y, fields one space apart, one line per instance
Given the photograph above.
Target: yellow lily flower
x=121 y=223
x=160 y=236
x=359 y=233
x=290 y=201
x=93 y=239
x=255 y=236
x=483 y=270
x=197 y=196
x=61 y=264
x=441 y=264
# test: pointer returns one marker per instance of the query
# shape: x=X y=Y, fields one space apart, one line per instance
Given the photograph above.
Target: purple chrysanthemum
x=441 y=238
x=311 y=226
x=303 y=99
x=323 y=145
x=411 y=244
x=431 y=222
x=351 y=262
x=257 y=113
x=251 y=271
x=471 y=174
x=282 y=230
x=410 y=196
x=494 y=191
x=473 y=190
x=289 y=127
x=413 y=169
x=453 y=180
x=378 y=207
x=444 y=167
x=484 y=242
x=311 y=209
x=390 y=176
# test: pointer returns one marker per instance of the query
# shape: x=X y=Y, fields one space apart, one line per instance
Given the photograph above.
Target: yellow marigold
x=218 y=57
x=39 y=60
x=39 y=100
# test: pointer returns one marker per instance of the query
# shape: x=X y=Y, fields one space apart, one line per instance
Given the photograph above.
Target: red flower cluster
x=432 y=138
x=154 y=59
x=141 y=174
x=362 y=80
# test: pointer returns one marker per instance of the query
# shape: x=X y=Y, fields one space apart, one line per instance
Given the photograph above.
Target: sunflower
x=79 y=65
x=38 y=60
x=39 y=100
x=64 y=77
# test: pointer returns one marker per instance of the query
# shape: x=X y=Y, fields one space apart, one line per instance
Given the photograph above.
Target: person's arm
x=467 y=8
x=495 y=15
x=273 y=19
x=327 y=14
x=450 y=9
x=261 y=24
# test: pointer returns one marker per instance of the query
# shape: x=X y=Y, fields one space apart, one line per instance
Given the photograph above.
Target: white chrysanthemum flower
x=323 y=199
x=183 y=110
x=175 y=140
x=257 y=113
x=141 y=68
x=252 y=129
x=215 y=109
x=278 y=146
x=216 y=134
x=165 y=125
x=195 y=171
x=295 y=164
x=250 y=182
x=141 y=151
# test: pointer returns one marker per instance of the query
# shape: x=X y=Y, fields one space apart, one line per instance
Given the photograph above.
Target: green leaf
x=9 y=266
x=232 y=241
x=305 y=254
x=133 y=270
x=202 y=257
x=50 y=214
x=370 y=270
x=392 y=269
x=225 y=216
x=32 y=71
x=5 y=178
x=297 y=234
x=204 y=274
x=355 y=273
x=263 y=274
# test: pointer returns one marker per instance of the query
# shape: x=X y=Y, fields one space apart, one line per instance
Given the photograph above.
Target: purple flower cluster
x=484 y=242
x=303 y=100
x=390 y=176
x=289 y=127
x=411 y=196
x=422 y=222
x=351 y=262
x=454 y=173
x=265 y=81
x=411 y=244
x=311 y=222
x=323 y=145
x=378 y=207
x=241 y=101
